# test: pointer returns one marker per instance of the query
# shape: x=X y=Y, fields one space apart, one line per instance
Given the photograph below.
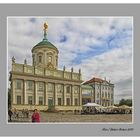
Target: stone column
x=72 y=95
x=35 y=93
x=45 y=95
x=55 y=94
x=80 y=95
x=13 y=91
x=64 y=95
x=24 y=92
x=45 y=58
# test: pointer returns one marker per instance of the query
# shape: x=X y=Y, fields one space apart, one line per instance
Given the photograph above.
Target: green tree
x=126 y=102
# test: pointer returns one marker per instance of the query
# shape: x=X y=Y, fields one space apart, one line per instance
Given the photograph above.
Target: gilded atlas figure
x=45 y=26
x=45 y=30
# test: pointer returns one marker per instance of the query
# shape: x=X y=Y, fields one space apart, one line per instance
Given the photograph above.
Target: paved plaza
x=71 y=117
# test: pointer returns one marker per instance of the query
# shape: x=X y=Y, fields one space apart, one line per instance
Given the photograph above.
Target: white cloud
x=83 y=35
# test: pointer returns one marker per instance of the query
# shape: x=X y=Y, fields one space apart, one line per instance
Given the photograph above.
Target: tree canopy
x=126 y=102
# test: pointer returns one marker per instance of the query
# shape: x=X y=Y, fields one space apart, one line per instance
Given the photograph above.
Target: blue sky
x=100 y=46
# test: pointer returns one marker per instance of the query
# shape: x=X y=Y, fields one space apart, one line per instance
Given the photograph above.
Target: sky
x=99 y=46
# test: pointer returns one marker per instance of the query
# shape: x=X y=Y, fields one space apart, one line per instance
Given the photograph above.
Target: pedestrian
x=27 y=113
x=10 y=113
x=75 y=111
x=36 y=116
x=23 y=113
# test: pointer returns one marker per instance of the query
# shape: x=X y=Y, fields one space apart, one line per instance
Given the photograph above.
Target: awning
x=91 y=104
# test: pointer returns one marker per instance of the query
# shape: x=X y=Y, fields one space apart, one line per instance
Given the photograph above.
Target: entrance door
x=50 y=103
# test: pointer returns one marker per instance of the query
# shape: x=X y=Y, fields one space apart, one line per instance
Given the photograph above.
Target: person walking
x=10 y=113
x=36 y=116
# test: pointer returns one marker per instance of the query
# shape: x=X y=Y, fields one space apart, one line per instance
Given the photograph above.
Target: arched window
x=50 y=59
x=40 y=59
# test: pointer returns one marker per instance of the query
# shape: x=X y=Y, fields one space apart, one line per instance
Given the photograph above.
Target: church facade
x=42 y=85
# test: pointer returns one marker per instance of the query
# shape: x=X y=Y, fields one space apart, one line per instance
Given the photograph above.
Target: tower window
x=40 y=59
x=50 y=59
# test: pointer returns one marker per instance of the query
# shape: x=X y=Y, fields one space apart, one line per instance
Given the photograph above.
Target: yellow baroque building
x=42 y=85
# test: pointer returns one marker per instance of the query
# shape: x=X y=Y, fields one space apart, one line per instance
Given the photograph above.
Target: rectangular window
x=59 y=101
x=68 y=89
x=102 y=94
x=105 y=94
x=108 y=95
x=29 y=85
x=50 y=87
x=18 y=100
x=98 y=95
x=30 y=100
x=76 y=89
x=68 y=101
x=40 y=86
x=76 y=101
x=40 y=100
x=18 y=84
x=59 y=88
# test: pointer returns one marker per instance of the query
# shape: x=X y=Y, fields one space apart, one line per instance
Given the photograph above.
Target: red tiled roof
x=94 y=79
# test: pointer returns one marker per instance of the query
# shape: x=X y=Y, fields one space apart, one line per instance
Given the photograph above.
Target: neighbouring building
x=42 y=85
x=98 y=91
x=87 y=94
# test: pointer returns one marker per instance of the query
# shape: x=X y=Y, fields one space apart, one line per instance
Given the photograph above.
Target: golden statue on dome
x=45 y=26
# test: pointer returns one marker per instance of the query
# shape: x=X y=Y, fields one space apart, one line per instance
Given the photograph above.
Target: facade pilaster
x=80 y=95
x=24 y=92
x=72 y=95
x=64 y=95
x=45 y=95
x=55 y=94
x=13 y=91
x=35 y=93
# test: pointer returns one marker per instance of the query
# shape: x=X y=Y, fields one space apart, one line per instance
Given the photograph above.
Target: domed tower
x=45 y=54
